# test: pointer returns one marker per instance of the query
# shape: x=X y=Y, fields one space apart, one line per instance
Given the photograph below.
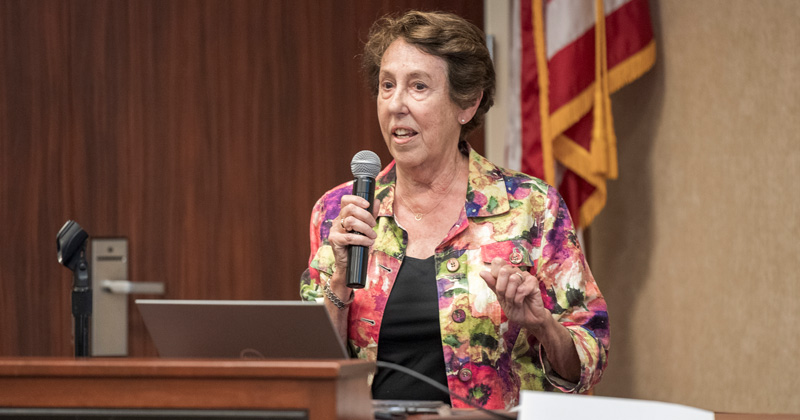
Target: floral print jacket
x=507 y=214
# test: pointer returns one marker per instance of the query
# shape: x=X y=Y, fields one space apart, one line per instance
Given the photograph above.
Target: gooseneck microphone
x=71 y=247
x=365 y=167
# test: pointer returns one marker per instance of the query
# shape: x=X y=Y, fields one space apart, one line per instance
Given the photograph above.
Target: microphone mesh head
x=365 y=163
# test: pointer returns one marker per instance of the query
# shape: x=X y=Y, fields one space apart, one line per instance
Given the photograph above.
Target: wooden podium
x=290 y=389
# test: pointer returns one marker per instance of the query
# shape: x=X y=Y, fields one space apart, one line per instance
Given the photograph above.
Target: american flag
x=571 y=55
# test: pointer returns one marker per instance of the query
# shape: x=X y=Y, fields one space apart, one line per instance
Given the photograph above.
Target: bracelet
x=335 y=299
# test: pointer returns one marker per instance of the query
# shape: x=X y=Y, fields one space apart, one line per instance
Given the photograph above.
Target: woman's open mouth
x=403 y=134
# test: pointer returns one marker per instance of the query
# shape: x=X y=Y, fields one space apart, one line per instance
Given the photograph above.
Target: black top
x=410 y=336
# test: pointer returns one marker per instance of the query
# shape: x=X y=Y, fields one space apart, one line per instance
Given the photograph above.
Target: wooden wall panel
x=34 y=136
x=203 y=131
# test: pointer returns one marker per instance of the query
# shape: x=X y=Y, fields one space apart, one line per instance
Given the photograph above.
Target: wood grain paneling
x=203 y=131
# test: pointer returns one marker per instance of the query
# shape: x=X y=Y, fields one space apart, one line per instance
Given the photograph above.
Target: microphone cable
x=440 y=387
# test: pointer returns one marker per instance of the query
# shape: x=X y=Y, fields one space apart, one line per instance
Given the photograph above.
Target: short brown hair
x=461 y=44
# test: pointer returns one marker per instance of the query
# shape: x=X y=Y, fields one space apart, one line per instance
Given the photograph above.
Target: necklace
x=417 y=215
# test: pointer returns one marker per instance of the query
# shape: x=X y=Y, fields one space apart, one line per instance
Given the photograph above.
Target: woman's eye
x=420 y=86
x=387 y=85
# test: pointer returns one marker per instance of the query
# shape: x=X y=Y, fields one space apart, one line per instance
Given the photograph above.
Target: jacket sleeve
x=321 y=257
x=310 y=288
x=573 y=295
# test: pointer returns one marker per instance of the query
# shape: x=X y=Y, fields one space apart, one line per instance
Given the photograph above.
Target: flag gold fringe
x=544 y=92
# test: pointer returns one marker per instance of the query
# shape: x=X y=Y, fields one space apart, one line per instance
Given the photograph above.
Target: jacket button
x=452 y=265
x=459 y=315
x=515 y=257
x=464 y=375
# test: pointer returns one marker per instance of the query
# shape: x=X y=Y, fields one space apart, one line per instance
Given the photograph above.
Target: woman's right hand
x=353 y=217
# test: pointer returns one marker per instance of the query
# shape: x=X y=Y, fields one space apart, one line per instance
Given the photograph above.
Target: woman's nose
x=397 y=102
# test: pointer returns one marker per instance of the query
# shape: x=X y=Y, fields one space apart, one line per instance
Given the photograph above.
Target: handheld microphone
x=365 y=167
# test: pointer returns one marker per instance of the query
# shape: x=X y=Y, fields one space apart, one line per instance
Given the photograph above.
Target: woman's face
x=419 y=121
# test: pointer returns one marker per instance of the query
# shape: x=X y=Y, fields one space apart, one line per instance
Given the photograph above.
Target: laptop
x=241 y=329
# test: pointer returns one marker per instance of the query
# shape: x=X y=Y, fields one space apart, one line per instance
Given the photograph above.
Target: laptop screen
x=241 y=329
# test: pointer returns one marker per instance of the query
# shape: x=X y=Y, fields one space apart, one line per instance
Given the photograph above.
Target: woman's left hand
x=518 y=294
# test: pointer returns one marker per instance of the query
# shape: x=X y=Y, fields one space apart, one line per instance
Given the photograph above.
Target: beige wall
x=697 y=251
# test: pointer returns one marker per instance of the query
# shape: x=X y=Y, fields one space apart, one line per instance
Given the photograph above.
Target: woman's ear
x=466 y=115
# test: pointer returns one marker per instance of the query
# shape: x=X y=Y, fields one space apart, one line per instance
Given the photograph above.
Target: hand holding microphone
x=351 y=234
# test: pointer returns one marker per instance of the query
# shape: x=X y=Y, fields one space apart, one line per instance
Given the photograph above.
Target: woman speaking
x=475 y=276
